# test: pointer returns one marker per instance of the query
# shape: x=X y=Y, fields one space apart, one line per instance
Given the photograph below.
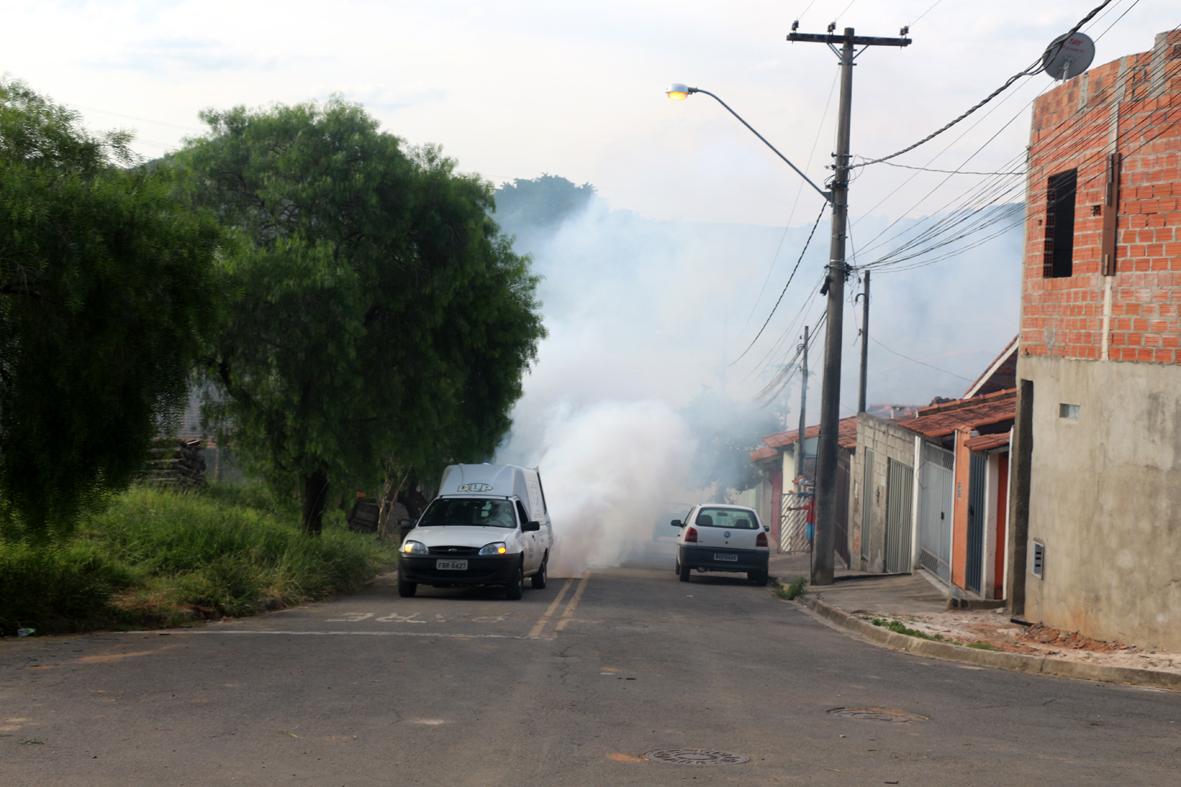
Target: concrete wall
x=887 y=440
x=1105 y=500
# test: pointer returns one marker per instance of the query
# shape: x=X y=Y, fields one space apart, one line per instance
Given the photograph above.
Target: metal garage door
x=935 y=488
x=899 y=493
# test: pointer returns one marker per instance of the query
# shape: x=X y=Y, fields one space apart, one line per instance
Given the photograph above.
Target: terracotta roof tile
x=944 y=418
x=987 y=442
x=846 y=438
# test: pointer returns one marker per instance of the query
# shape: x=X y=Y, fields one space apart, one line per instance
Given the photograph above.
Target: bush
x=796 y=589
x=153 y=557
x=57 y=587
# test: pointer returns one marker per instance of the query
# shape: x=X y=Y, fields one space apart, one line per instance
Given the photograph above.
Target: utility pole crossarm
x=832 y=38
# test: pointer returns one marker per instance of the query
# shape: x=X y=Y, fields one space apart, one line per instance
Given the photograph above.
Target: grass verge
x=898 y=627
x=156 y=558
x=790 y=592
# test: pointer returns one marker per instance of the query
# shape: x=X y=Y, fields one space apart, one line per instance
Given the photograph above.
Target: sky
x=517 y=88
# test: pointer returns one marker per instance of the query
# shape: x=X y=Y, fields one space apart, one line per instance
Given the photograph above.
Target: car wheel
x=407 y=589
x=683 y=571
x=758 y=578
x=515 y=589
x=538 y=580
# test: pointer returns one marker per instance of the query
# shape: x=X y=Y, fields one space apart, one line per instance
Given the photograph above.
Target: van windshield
x=469 y=512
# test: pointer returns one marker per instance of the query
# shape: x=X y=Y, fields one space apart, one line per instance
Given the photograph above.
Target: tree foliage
x=104 y=294
x=543 y=202
x=376 y=319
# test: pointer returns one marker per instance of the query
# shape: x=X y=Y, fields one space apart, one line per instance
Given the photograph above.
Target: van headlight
x=497 y=548
x=413 y=548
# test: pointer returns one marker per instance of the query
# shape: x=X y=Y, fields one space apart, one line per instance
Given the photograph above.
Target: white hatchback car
x=718 y=537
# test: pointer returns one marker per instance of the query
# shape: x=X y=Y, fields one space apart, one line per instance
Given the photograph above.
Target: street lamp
x=679 y=92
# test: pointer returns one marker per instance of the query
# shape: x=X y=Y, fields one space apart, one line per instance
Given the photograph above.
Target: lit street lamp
x=679 y=92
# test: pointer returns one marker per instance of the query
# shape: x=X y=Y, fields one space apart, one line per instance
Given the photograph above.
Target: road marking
x=351 y=617
x=568 y=612
x=287 y=633
x=539 y=626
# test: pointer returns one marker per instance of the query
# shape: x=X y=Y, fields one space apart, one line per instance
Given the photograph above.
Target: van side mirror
x=530 y=527
x=677 y=523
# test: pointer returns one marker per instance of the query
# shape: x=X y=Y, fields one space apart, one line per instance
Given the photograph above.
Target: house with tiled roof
x=930 y=492
x=787 y=466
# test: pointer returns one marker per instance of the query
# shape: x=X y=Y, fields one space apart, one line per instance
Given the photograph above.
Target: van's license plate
x=727 y=557
x=451 y=565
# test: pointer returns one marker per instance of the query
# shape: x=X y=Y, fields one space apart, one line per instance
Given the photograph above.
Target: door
x=532 y=552
x=975 y=571
x=935 y=488
x=866 y=505
x=899 y=491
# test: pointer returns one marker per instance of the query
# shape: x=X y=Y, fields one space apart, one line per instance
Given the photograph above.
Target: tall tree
x=104 y=295
x=377 y=321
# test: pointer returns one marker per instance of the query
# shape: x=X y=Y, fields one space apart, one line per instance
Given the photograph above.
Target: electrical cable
x=783 y=292
x=916 y=360
x=1028 y=71
x=795 y=204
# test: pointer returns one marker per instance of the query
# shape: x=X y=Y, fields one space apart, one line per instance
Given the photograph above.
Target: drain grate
x=695 y=757
x=878 y=714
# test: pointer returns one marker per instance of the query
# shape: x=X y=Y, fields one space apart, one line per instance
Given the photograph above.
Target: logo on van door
x=475 y=487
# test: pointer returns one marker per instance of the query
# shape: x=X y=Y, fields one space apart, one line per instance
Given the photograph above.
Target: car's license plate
x=726 y=557
x=451 y=565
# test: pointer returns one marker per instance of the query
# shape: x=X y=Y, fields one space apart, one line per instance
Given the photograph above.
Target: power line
x=1029 y=70
x=783 y=292
x=794 y=205
x=930 y=8
x=916 y=360
x=949 y=171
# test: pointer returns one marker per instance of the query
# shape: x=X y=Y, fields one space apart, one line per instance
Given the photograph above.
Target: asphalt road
x=573 y=685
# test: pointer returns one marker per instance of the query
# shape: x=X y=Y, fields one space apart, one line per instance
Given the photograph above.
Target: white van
x=488 y=526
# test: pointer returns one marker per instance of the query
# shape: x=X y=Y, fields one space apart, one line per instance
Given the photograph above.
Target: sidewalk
x=909 y=612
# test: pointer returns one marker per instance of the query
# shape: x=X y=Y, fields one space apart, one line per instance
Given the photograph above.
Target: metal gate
x=899 y=494
x=866 y=504
x=793 y=520
x=975 y=523
x=935 y=487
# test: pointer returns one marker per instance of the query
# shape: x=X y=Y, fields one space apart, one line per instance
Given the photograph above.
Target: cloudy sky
x=520 y=87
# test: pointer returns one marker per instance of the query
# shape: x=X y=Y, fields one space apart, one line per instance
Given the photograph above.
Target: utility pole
x=864 y=344
x=830 y=394
x=803 y=405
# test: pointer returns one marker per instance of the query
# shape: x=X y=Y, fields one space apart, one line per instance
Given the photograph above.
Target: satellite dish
x=1067 y=56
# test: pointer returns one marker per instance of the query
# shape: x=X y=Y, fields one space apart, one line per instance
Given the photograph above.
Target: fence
x=794 y=533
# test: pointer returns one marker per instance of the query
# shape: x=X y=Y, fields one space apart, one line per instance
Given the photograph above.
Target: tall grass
x=153 y=557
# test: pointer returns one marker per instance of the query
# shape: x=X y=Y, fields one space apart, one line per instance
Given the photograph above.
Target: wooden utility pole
x=864 y=344
x=830 y=394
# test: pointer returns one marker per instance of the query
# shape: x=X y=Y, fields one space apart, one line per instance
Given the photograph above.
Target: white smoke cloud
x=633 y=383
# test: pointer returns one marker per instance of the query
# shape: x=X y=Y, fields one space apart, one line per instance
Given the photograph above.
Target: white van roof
x=495 y=481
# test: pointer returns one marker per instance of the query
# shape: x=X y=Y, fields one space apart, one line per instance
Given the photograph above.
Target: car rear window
x=735 y=519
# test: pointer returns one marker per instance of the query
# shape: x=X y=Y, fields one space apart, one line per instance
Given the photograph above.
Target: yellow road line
x=539 y=626
x=568 y=612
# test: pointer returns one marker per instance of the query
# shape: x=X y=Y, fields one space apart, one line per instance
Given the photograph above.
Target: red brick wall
x=1073 y=128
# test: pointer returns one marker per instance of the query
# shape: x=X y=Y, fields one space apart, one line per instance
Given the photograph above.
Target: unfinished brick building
x=1096 y=498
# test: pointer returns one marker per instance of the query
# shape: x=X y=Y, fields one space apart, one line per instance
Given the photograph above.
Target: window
x=1058 y=261
x=461 y=511
x=733 y=518
x=1069 y=412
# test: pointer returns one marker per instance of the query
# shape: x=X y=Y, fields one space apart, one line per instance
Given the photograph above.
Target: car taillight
x=691 y=535
x=761 y=541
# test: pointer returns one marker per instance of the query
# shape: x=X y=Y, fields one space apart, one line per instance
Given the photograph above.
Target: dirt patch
x=992 y=630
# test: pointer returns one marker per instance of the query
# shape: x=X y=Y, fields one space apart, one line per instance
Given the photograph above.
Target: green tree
x=538 y=203
x=104 y=294
x=377 y=321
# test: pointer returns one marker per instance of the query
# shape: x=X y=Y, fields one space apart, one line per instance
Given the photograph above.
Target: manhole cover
x=877 y=714
x=696 y=757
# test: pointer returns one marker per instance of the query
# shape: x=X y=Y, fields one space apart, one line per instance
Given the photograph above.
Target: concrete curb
x=1015 y=662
